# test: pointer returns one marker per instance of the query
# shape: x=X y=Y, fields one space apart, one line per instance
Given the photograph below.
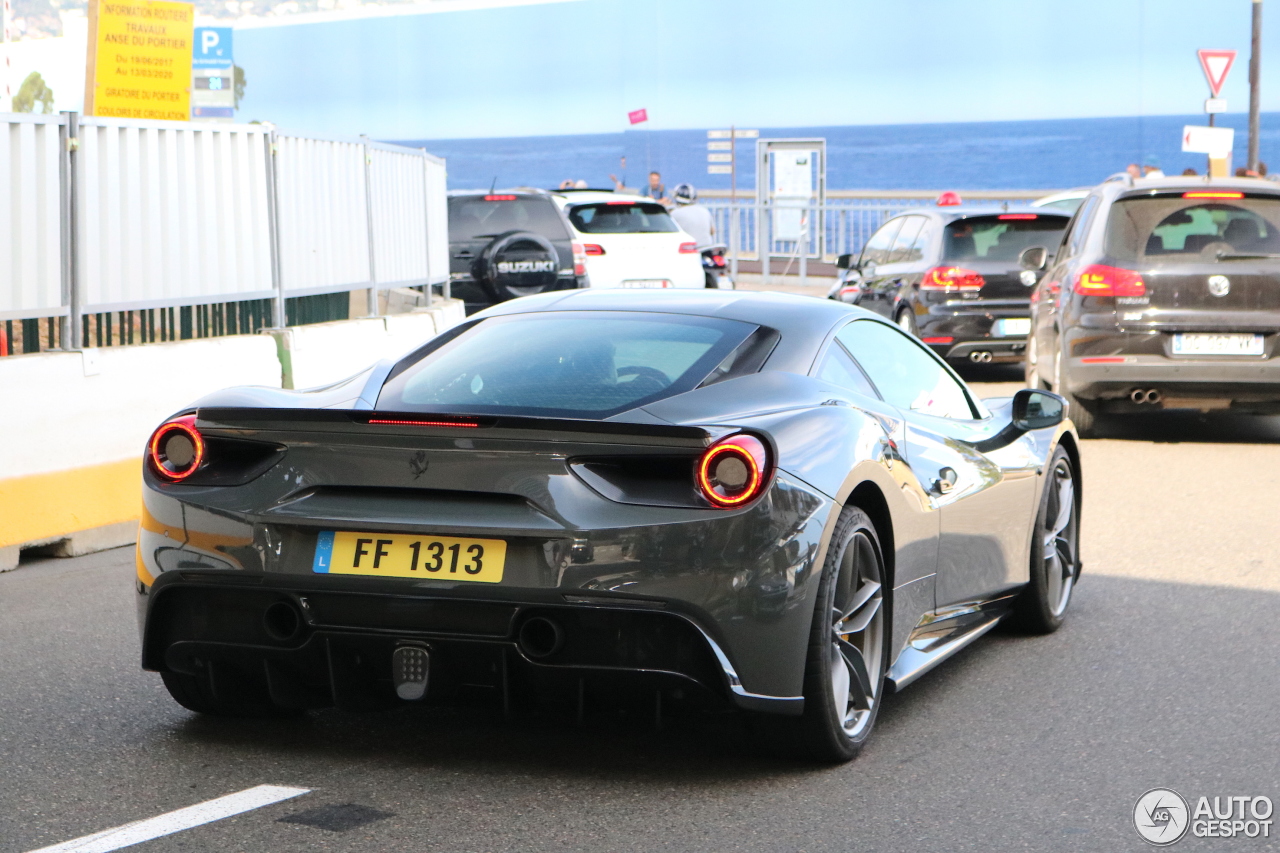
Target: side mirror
x=1033 y=258
x=843 y=262
x=1031 y=409
x=1037 y=409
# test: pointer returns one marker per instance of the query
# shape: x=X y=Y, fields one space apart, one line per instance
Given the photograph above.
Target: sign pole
x=1255 y=63
x=733 y=202
x=8 y=62
x=91 y=61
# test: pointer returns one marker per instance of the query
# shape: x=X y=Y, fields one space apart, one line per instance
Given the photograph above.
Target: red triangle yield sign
x=1216 y=64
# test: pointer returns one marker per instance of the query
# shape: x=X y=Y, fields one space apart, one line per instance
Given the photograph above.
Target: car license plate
x=396 y=555
x=646 y=282
x=1206 y=344
x=1018 y=327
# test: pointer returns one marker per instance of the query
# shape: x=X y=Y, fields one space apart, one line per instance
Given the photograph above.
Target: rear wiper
x=1244 y=256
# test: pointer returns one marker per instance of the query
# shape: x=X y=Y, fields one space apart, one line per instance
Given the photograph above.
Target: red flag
x=638 y=116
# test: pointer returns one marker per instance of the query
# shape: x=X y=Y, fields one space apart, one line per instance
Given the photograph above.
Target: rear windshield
x=580 y=364
x=475 y=218
x=1170 y=230
x=626 y=218
x=1001 y=237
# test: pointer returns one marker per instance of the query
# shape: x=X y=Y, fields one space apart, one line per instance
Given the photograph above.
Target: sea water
x=1049 y=154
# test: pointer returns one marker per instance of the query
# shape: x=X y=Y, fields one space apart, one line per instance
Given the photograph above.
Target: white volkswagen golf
x=629 y=241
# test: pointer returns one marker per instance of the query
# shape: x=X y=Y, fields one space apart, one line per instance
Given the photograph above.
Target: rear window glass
x=621 y=219
x=1163 y=230
x=580 y=364
x=473 y=218
x=1001 y=237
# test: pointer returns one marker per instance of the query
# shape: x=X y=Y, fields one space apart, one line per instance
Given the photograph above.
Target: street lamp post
x=1255 y=61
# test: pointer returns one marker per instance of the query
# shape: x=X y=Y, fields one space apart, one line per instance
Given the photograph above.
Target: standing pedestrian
x=695 y=219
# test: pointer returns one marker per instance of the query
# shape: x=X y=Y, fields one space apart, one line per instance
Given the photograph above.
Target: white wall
x=67 y=410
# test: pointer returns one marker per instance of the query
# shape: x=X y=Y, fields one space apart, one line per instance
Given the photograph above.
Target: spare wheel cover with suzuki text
x=518 y=263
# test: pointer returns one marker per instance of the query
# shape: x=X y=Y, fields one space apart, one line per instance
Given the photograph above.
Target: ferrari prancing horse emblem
x=1219 y=285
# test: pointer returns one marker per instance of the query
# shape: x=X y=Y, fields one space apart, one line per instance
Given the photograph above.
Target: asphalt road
x=1164 y=675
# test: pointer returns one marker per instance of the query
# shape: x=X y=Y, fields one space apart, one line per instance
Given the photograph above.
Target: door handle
x=946 y=481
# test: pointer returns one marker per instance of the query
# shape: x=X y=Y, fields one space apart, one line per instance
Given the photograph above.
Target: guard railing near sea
x=118 y=231
x=822 y=232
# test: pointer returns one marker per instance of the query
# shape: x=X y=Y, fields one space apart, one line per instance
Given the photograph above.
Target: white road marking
x=167 y=824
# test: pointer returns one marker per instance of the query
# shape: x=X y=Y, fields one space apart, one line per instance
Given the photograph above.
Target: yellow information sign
x=139 y=59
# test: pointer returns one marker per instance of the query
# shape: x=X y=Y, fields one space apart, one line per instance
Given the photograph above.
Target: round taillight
x=733 y=471
x=176 y=449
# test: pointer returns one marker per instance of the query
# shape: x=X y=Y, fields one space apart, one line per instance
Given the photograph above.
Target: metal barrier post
x=279 y=317
x=73 y=332
x=733 y=240
x=368 y=213
x=426 y=223
x=804 y=246
x=764 y=238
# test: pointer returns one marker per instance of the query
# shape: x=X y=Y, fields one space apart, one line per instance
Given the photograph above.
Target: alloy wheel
x=1060 y=539
x=857 y=635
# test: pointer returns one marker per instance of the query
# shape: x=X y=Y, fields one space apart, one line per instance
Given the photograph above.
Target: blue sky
x=578 y=67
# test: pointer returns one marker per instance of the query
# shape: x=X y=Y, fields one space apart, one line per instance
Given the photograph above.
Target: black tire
x=1055 y=551
x=833 y=729
x=906 y=320
x=1080 y=411
x=501 y=265
x=1081 y=414
x=236 y=696
x=1030 y=370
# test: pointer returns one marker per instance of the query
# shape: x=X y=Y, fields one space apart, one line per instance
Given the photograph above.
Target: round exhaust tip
x=1138 y=395
x=282 y=621
x=540 y=637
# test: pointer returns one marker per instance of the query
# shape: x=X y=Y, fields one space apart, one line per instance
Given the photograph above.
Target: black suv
x=953 y=276
x=509 y=243
x=1164 y=294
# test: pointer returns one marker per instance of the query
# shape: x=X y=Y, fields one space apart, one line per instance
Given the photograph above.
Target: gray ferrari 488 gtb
x=775 y=503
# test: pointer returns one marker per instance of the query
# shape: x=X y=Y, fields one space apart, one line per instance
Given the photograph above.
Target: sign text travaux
x=139 y=63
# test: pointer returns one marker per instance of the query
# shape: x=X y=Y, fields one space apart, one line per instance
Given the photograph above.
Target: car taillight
x=939 y=340
x=1017 y=216
x=579 y=259
x=733 y=471
x=499 y=198
x=1212 y=194
x=177 y=449
x=688 y=248
x=951 y=279
x=949 y=199
x=1102 y=280
x=593 y=249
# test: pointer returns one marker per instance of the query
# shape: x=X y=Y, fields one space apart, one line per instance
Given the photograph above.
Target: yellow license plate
x=396 y=555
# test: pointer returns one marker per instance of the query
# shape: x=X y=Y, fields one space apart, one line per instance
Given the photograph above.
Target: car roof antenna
x=494 y=185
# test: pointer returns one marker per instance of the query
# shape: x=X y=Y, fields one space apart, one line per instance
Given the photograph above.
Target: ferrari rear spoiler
x=258 y=420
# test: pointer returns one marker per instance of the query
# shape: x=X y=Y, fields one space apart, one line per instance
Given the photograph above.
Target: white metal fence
x=113 y=215
x=840 y=226
x=170 y=213
x=31 y=234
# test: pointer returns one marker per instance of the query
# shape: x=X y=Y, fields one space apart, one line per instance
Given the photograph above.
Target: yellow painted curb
x=40 y=507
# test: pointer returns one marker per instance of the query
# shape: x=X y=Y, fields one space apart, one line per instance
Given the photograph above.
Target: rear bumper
x=341 y=650
x=718 y=601
x=971 y=329
x=1240 y=381
x=477 y=297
